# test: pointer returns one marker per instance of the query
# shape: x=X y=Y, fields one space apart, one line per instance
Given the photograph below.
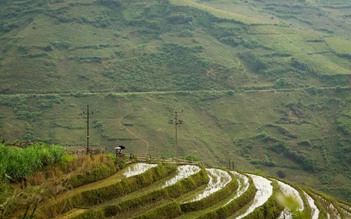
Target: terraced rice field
x=143 y=190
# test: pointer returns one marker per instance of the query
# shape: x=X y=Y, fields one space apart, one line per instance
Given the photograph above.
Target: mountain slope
x=263 y=83
x=142 y=46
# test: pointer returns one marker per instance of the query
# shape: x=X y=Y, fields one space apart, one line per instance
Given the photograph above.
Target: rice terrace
x=101 y=186
x=175 y=109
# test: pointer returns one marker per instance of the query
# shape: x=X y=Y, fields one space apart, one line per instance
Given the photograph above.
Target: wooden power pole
x=88 y=126
x=176 y=122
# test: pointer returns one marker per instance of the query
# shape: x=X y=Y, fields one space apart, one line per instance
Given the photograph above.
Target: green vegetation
x=38 y=172
x=18 y=164
x=263 y=83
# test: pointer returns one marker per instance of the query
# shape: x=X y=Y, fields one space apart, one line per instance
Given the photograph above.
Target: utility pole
x=88 y=122
x=176 y=122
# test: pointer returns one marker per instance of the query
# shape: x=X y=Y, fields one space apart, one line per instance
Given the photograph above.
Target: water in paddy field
x=138 y=168
x=218 y=180
x=264 y=191
x=184 y=171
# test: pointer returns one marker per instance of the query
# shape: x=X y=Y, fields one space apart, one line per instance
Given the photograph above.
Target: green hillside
x=263 y=83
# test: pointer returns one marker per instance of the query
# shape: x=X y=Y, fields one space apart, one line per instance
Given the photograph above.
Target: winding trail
x=120 y=121
x=246 y=89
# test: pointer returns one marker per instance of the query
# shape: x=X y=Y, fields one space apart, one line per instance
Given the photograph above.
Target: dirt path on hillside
x=237 y=90
x=120 y=121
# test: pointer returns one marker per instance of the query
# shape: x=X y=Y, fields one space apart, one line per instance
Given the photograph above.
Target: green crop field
x=263 y=83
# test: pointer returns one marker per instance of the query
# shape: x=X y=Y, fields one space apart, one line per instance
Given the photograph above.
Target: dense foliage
x=19 y=163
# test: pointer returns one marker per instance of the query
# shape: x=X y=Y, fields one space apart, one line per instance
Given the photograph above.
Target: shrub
x=5 y=27
x=61 y=45
x=253 y=62
x=299 y=65
x=306 y=163
x=281 y=174
x=281 y=83
x=179 y=19
x=191 y=158
x=109 y=3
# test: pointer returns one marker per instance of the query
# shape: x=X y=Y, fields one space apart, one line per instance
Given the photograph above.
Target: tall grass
x=19 y=163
